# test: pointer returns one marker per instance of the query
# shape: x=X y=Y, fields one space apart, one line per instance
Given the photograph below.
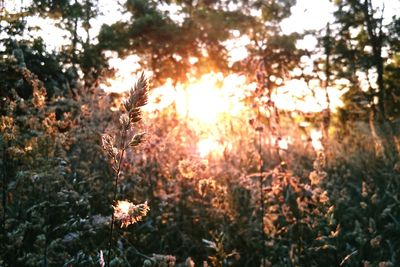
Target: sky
x=306 y=15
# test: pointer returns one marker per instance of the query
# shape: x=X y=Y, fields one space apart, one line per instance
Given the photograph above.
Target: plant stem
x=117 y=173
x=4 y=194
x=261 y=192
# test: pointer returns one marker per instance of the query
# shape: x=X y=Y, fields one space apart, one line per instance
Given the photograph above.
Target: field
x=156 y=141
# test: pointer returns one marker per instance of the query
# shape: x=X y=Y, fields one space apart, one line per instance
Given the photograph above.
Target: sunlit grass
x=214 y=103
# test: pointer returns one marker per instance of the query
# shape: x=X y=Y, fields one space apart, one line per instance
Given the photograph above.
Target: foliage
x=276 y=196
x=163 y=42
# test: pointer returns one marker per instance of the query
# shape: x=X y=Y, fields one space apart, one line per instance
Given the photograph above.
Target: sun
x=209 y=104
x=208 y=99
x=201 y=102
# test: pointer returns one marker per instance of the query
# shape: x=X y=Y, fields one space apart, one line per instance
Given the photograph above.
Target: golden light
x=209 y=104
x=206 y=99
x=200 y=102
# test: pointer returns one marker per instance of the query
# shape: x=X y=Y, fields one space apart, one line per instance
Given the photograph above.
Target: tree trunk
x=326 y=121
x=380 y=125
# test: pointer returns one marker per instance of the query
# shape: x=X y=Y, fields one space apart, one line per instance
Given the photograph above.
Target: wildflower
x=187 y=168
x=314 y=178
x=324 y=197
x=128 y=213
x=205 y=185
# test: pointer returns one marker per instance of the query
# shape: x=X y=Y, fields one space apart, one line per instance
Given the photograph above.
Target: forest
x=211 y=133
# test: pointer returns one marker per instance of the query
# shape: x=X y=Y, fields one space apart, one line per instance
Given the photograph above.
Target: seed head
x=128 y=213
x=108 y=144
x=124 y=120
x=137 y=139
x=137 y=98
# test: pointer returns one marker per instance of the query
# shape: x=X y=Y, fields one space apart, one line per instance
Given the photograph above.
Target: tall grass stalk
x=117 y=174
x=130 y=116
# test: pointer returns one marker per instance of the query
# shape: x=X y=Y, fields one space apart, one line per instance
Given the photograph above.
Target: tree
x=167 y=46
x=71 y=16
x=359 y=56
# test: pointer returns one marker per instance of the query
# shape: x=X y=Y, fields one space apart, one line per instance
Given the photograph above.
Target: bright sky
x=317 y=13
x=306 y=15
